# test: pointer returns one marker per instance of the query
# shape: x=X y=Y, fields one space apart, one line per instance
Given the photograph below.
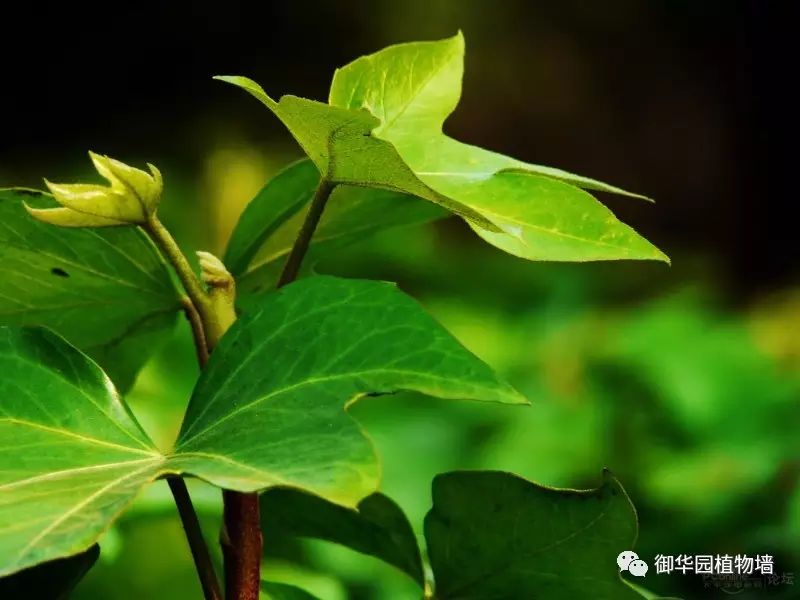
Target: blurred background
x=684 y=381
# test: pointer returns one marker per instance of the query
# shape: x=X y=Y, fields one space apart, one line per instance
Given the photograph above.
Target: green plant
x=88 y=266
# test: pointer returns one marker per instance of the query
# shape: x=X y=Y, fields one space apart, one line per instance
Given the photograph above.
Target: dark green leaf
x=377 y=526
x=269 y=408
x=53 y=580
x=73 y=457
x=496 y=535
x=383 y=128
x=268 y=227
x=106 y=291
x=281 y=591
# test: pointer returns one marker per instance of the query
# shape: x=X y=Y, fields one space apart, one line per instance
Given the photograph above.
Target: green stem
x=197 y=544
x=210 y=315
x=198 y=308
x=242 y=542
x=292 y=267
x=198 y=333
x=167 y=244
x=241 y=538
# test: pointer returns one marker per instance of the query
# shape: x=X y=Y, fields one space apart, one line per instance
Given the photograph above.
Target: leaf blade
x=80 y=456
x=96 y=288
x=267 y=229
x=286 y=413
x=495 y=535
x=54 y=580
x=376 y=527
x=383 y=128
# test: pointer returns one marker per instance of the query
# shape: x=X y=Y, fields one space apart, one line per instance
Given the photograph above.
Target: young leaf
x=383 y=128
x=413 y=88
x=107 y=291
x=75 y=456
x=131 y=197
x=269 y=225
x=377 y=526
x=269 y=408
x=53 y=580
x=496 y=535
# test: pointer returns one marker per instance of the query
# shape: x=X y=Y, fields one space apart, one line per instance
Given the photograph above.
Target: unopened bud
x=131 y=197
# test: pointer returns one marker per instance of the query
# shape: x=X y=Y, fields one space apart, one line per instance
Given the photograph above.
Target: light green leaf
x=269 y=408
x=377 y=526
x=340 y=143
x=73 y=456
x=269 y=225
x=107 y=291
x=412 y=88
x=383 y=128
x=496 y=535
x=53 y=580
x=271 y=590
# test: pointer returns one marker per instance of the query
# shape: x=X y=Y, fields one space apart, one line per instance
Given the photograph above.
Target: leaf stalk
x=292 y=267
x=197 y=544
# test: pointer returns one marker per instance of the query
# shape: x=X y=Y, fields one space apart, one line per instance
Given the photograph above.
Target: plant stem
x=198 y=307
x=303 y=240
x=240 y=537
x=210 y=315
x=167 y=244
x=198 y=334
x=242 y=545
x=197 y=544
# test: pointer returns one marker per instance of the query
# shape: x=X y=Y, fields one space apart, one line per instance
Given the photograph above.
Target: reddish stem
x=241 y=545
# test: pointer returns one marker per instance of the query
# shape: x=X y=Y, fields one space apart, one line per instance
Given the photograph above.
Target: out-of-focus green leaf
x=106 y=291
x=496 y=535
x=53 y=580
x=383 y=128
x=269 y=407
x=281 y=591
x=73 y=455
x=283 y=196
x=269 y=225
x=377 y=526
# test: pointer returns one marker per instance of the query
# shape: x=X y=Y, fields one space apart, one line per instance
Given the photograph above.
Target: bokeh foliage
x=691 y=403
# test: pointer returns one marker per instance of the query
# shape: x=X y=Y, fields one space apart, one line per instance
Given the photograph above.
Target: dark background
x=686 y=101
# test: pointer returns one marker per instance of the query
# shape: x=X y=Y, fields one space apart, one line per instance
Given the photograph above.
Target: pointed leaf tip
x=250 y=86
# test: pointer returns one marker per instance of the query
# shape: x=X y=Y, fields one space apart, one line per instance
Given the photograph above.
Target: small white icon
x=637 y=568
x=625 y=559
x=629 y=561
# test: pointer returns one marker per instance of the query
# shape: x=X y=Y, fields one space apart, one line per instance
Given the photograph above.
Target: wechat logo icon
x=630 y=562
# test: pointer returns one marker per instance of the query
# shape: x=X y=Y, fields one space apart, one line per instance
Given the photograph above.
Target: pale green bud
x=131 y=197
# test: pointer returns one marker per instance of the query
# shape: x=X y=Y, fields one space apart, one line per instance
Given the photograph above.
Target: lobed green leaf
x=107 y=291
x=268 y=409
x=496 y=535
x=74 y=456
x=383 y=128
